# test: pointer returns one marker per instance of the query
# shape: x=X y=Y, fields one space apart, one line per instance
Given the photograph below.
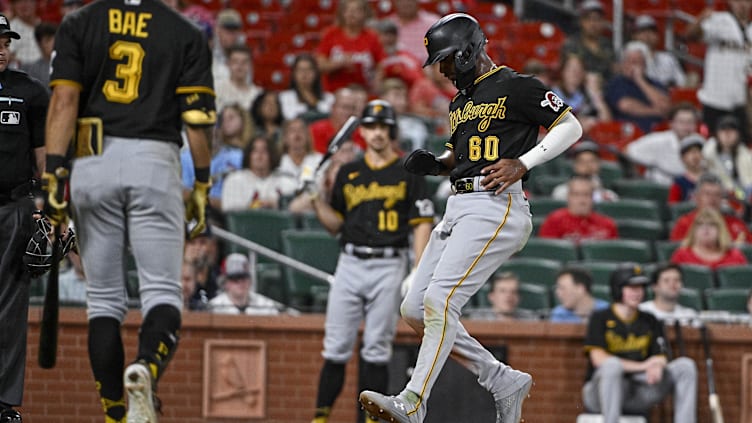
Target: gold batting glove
x=195 y=209
x=56 y=204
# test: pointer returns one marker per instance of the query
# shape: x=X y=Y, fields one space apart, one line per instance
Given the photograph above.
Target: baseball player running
x=494 y=121
x=375 y=206
x=130 y=71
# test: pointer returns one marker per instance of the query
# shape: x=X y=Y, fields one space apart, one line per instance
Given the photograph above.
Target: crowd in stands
x=279 y=104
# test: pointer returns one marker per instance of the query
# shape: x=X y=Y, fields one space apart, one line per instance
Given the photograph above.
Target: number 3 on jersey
x=125 y=89
x=483 y=148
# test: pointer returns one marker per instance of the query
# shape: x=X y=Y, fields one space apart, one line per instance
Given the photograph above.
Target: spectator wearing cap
x=632 y=95
x=228 y=32
x=25 y=19
x=44 y=34
x=237 y=296
x=582 y=91
x=595 y=50
x=69 y=6
x=628 y=370
x=662 y=66
x=659 y=151
x=586 y=162
x=683 y=187
x=729 y=158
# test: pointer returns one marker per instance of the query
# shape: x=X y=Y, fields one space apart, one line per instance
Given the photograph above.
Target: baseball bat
x=338 y=139
x=679 y=339
x=48 y=327
x=716 y=413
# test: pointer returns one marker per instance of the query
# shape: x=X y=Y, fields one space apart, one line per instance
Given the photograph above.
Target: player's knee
x=411 y=311
x=611 y=368
x=683 y=368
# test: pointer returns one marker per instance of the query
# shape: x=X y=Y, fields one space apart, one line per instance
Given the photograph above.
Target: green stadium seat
x=630 y=208
x=678 y=209
x=651 y=230
x=664 y=249
x=747 y=250
x=437 y=143
x=316 y=248
x=697 y=277
x=309 y=221
x=550 y=248
x=734 y=276
x=733 y=300
x=533 y=270
x=261 y=226
x=602 y=292
x=535 y=297
x=544 y=184
x=640 y=251
x=542 y=206
x=645 y=190
x=599 y=270
x=609 y=173
x=691 y=298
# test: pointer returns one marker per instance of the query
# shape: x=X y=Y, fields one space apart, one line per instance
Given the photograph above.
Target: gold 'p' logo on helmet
x=425 y=41
x=377 y=108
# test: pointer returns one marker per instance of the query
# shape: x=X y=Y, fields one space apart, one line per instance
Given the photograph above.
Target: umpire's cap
x=627 y=274
x=5 y=30
x=379 y=111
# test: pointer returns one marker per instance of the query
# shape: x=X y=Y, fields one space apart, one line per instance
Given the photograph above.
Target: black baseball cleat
x=9 y=415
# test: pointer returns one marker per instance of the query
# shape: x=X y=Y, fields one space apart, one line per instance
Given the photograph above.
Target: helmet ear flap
x=464 y=60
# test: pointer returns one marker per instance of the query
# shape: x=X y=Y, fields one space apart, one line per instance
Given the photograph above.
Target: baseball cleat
x=138 y=384
x=393 y=409
x=9 y=415
x=509 y=408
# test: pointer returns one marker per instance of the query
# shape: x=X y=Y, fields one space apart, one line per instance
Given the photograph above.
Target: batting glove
x=195 y=209
x=55 y=183
x=423 y=162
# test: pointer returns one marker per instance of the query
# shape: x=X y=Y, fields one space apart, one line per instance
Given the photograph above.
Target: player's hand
x=654 y=371
x=502 y=174
x=55 y=184
x=195 y=208
x=423 y=162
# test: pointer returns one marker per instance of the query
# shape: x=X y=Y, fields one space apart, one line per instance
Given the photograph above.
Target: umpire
x=23 y=111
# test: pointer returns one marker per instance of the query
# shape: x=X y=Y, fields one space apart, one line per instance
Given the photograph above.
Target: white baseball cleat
x=138 y=385
x=393 y=409
x=509 y=408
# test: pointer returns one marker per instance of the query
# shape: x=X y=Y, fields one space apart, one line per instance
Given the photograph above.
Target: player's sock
x=330 y=385
x=371 y=377
x=158 y=338
x=107 y=358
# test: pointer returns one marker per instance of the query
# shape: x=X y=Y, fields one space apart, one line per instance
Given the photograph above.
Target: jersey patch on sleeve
x=553 y=101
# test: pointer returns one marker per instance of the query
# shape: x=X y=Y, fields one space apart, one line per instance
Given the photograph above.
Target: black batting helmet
x=458 y=34
x=380 y=111
x=627 y=274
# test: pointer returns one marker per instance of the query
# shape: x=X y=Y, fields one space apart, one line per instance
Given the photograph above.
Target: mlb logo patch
x=10 y=118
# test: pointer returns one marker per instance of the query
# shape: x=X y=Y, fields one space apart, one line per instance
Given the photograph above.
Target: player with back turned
x=494 y=122
x=376 y=205
x=126 y=76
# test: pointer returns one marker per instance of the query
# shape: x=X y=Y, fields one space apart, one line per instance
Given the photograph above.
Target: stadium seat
x=630 y=208
x=747 y=250
x=261 y=226
x=620 y=250
x=678 y=209
x=664 y=249
x=641 y=189
x=310 y=221
x=602 y=292
x=550 y=248
x=692 y=298
x=544 y=185
x=599 y=270
x=733 y=300
x=613 y=136
x=535 y=297
x=651 y=230
x=680 y=94
x=734 y=276
x=610 y=172
x=697 y=277
x=533 y=270
x=542 y=206
x=315 y=248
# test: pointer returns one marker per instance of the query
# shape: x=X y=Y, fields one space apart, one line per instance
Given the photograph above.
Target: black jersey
x=499 y=118
x=633 y=340
x=379 y=205
x=130 y=58
x=23 y=112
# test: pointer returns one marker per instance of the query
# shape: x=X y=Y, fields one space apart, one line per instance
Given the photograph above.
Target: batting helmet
x=380 y=111
x=38 y=254
x=458 y=34
x=627 y=274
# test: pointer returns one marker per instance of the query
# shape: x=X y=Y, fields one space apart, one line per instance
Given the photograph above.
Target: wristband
x=202 y=174
x=53 y=162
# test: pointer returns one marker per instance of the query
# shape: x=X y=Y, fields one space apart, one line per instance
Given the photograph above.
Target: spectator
x=72 y=281
x=504 y=297
x=69 y=6
x=324 y=181
x=728 y=158
x=257 y=184
x=298 y=149
x=349 y=52
x=582 y=91
x=409 y=127
x=683 y=187
x=709 y=194
x=347 y=102
x=228 y=32
x=232 y=135
x=708 y=243
x=586 y=163
x=662 y=66
x=398 y=63
x=430 y=98
x=725 y=87
x=628 y=371
x=237 y=296
x=595 y=50
x=202 y=253
x=413 y=23
x=576 y=301
x=667 y=283
x=44 y=35
x=541 y=71
x=266 y=114
x=305 y=94
x=188 y=282
x=238 y=87
x=659 y=151
x=25 y=50
x=577 y=221
x=632 y=95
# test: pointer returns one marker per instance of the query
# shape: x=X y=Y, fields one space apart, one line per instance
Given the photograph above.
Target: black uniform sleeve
x=535 y=103
x=195 y=85
x=67 y=61
x=657 y=331
x=38 y=102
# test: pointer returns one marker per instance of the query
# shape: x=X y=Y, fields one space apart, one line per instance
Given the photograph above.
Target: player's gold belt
x=89 y=136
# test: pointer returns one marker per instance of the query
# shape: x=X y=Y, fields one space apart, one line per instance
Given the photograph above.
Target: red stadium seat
x=613 y=137
x=679 y=94
x=647 y=7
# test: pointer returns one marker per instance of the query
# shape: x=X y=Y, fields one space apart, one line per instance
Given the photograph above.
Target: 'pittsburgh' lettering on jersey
x=356 y=194
x=619 y=344
x=484 y=112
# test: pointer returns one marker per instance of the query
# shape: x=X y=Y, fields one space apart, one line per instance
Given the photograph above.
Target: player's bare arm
x=61 y=118
x=421 y=234
x=330 y=219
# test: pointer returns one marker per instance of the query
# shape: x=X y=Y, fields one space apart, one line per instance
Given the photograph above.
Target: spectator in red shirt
x=578 y=221
x=348 y=101
x=349 y=52
x=708 y=243
x=709 y=193
x=398 y=63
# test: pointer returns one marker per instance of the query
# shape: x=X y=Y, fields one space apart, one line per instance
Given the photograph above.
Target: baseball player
x=494 y=121
x=375 y=206
x=133 y=72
